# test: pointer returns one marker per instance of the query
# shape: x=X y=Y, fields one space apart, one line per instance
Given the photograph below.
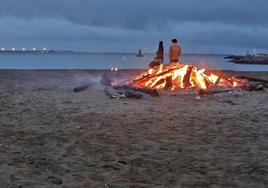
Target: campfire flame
x=179 y=76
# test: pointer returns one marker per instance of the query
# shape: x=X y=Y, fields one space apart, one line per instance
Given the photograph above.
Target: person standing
x=160 y=52
x=174 y=52
x=159 y=58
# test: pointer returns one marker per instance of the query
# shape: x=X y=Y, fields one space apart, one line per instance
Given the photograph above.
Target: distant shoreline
x=85 y=52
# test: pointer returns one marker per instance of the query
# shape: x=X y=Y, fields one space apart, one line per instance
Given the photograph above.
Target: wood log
x=128 y=91
x=148 y=91
x=130 y=94
x=252 y=87
x=168 y=82
x=253 y=79
x=156 y=75
x=161 y=81
x=213 y=91
x=113 y=93
x=82 y=88
x=186 y=78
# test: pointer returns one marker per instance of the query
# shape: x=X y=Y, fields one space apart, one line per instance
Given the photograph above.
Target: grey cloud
x=127 y=24
x=139 y=13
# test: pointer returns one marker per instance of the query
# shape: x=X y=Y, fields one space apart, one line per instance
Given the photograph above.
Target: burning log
x=168 y=84
x=187 y=77
x=176 y=76
x=159 y=73
x=159 y=83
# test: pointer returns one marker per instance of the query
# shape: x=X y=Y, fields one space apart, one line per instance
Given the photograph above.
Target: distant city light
x=13 y=49
x=44 y=49
x=34 y=49
x=3 y=49
x=23 y=49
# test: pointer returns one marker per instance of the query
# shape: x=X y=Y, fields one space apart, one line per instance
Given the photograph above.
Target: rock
x=55 y=180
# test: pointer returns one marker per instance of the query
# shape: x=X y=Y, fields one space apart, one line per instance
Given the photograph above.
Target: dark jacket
x=160 y=54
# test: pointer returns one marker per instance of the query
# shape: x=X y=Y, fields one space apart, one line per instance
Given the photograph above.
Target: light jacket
x=174 y=52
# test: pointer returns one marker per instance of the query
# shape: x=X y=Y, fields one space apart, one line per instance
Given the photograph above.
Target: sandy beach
x=53 y=137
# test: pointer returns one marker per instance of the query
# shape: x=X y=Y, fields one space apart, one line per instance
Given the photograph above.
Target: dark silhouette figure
x=160 y=52
x=159 y=58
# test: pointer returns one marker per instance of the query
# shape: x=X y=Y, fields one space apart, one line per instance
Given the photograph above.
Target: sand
x=53 y=137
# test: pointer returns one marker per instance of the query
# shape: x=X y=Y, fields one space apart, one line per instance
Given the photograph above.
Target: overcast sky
x=202 y=26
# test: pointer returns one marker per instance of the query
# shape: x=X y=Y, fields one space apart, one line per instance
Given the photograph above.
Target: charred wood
x=82 y=88
x=113 y=93
x=148 y=91
x=130 y=94
x=253 y=87
x=213 y=91
x=162 y=81
x=253 y=79
x=186 y=78
x=168 y=82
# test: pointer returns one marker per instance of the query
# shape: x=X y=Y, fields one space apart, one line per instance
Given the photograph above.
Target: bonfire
x=175 y=76
x=179 y=76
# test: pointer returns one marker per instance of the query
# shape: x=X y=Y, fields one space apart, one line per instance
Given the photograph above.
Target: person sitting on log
x=159 y=58
x=174 y=51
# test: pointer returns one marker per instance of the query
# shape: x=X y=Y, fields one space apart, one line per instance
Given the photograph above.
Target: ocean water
x=109 y=60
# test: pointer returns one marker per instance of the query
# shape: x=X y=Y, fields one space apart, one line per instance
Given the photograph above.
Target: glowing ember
x=176 y=76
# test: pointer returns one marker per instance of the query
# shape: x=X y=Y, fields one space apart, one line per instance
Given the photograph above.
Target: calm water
x=108 y=60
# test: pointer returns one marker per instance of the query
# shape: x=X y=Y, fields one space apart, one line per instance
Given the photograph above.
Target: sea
x=113 y=60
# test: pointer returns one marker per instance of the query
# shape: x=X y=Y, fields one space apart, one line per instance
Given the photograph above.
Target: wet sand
x=52 y=137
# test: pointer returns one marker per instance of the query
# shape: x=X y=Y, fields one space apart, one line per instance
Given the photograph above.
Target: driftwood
x=82 y=88
x=130 y=94
x=252 y=87
x=113 y=93
x=122 y=92
x=213 y=91
x=148 y=91
x=253 y=79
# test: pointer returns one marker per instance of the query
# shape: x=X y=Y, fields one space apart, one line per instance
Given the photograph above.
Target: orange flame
x=176 y=75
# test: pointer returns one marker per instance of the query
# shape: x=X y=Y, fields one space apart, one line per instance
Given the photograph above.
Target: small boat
x=140 y=54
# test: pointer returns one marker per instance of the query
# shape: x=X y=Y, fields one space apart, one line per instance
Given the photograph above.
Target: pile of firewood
x=131 y=91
